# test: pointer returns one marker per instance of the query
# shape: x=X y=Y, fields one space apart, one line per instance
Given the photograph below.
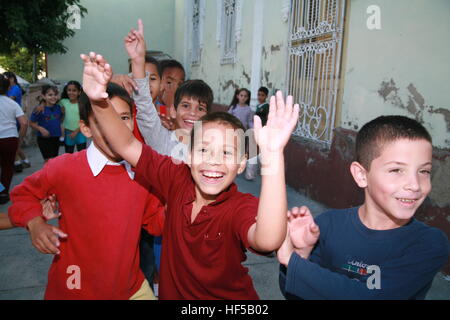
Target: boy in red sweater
x=209 y=223
x=103 y=210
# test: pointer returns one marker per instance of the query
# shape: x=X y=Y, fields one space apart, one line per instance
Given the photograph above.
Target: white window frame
x=229 y=29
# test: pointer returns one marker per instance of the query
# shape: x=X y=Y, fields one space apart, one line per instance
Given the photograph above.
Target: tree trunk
x=34 y=67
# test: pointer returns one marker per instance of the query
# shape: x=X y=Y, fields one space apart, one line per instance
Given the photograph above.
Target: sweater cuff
x=295 y=269
x=25 y=217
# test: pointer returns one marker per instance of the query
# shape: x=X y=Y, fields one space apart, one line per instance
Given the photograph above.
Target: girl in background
x=240 y=107
x=69 y=101
x=48 y=123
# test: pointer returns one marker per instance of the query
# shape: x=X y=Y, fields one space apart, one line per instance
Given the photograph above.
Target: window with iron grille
x=315 y=45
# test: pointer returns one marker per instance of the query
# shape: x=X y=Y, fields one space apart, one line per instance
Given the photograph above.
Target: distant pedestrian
x=10 y=112
x=15 y=92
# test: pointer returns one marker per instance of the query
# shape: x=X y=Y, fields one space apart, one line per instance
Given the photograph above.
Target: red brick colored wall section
x=324 y=176
x=219 y=107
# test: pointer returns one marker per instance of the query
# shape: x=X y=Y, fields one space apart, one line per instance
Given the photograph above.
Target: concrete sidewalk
x=23 y=270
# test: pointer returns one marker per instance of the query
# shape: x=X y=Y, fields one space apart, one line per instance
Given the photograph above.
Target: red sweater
x=102 y=216
x=200 y=260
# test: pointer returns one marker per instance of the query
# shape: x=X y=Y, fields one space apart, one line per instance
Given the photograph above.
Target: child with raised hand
x=192 y=100
x=48 y=123
x=72 y=133
x=377 y=250
x=208 y=221
x=103 y=211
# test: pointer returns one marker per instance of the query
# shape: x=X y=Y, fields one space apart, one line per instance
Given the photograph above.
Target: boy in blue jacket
x=377 y=250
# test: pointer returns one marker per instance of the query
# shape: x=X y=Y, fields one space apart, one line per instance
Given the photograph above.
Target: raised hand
x=282 y=119
x=96 y=75
x=135 y=43
x=303 y=231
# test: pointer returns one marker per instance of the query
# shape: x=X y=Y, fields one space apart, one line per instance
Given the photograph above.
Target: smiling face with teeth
x=215 y=160
x=396 y=184
x=187 y=112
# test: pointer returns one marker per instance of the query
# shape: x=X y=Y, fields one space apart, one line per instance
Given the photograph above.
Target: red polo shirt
x=199 y=260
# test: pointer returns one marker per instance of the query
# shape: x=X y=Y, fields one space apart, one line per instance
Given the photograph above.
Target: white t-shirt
x=9 y=112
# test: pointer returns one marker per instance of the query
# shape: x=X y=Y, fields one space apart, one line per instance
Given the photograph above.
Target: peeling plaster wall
x=224 y=79
x=274 y=56
x=402 y=68
x=103 y=29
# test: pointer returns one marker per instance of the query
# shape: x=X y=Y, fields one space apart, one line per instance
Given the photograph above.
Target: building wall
x=224 y=79
x=402 y=68
x=103 y=29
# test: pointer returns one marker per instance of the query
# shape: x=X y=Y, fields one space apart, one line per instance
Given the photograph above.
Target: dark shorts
x=49 y=147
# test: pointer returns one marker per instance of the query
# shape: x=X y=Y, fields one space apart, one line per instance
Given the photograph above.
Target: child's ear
x=359 y=174
x=84 y=129
x=242 y=165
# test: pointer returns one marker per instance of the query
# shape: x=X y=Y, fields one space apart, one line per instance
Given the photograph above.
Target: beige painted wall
x=402 y=68
x=105 y=26
x=224 y=78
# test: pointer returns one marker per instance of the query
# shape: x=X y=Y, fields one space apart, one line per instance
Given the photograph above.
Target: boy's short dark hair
x=265 y=90
x=375 y=134
x=4 y=84
x=149 y=59
x=197 y=90
x=221 y=118
x=170 y=63
x=113 y=90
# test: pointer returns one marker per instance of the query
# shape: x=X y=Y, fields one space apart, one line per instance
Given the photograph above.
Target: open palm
x=302 y=229
x=96 y=75
x=282 y=119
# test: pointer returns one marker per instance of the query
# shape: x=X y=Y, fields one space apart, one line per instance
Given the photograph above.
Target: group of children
x=56 y=119
x=180 y=183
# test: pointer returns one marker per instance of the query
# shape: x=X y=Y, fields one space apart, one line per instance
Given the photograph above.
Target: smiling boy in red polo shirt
x=209 y=224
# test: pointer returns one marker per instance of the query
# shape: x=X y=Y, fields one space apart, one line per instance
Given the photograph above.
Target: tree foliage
x=20 y=61
x=30 y=28
x=37 y=25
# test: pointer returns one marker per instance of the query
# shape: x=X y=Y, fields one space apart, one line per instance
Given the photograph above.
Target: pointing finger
x=141 y=27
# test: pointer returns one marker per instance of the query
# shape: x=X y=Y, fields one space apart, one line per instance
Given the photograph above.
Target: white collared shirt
x=97 y=161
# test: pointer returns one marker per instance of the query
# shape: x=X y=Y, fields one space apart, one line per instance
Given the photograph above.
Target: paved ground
x=23 y=270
